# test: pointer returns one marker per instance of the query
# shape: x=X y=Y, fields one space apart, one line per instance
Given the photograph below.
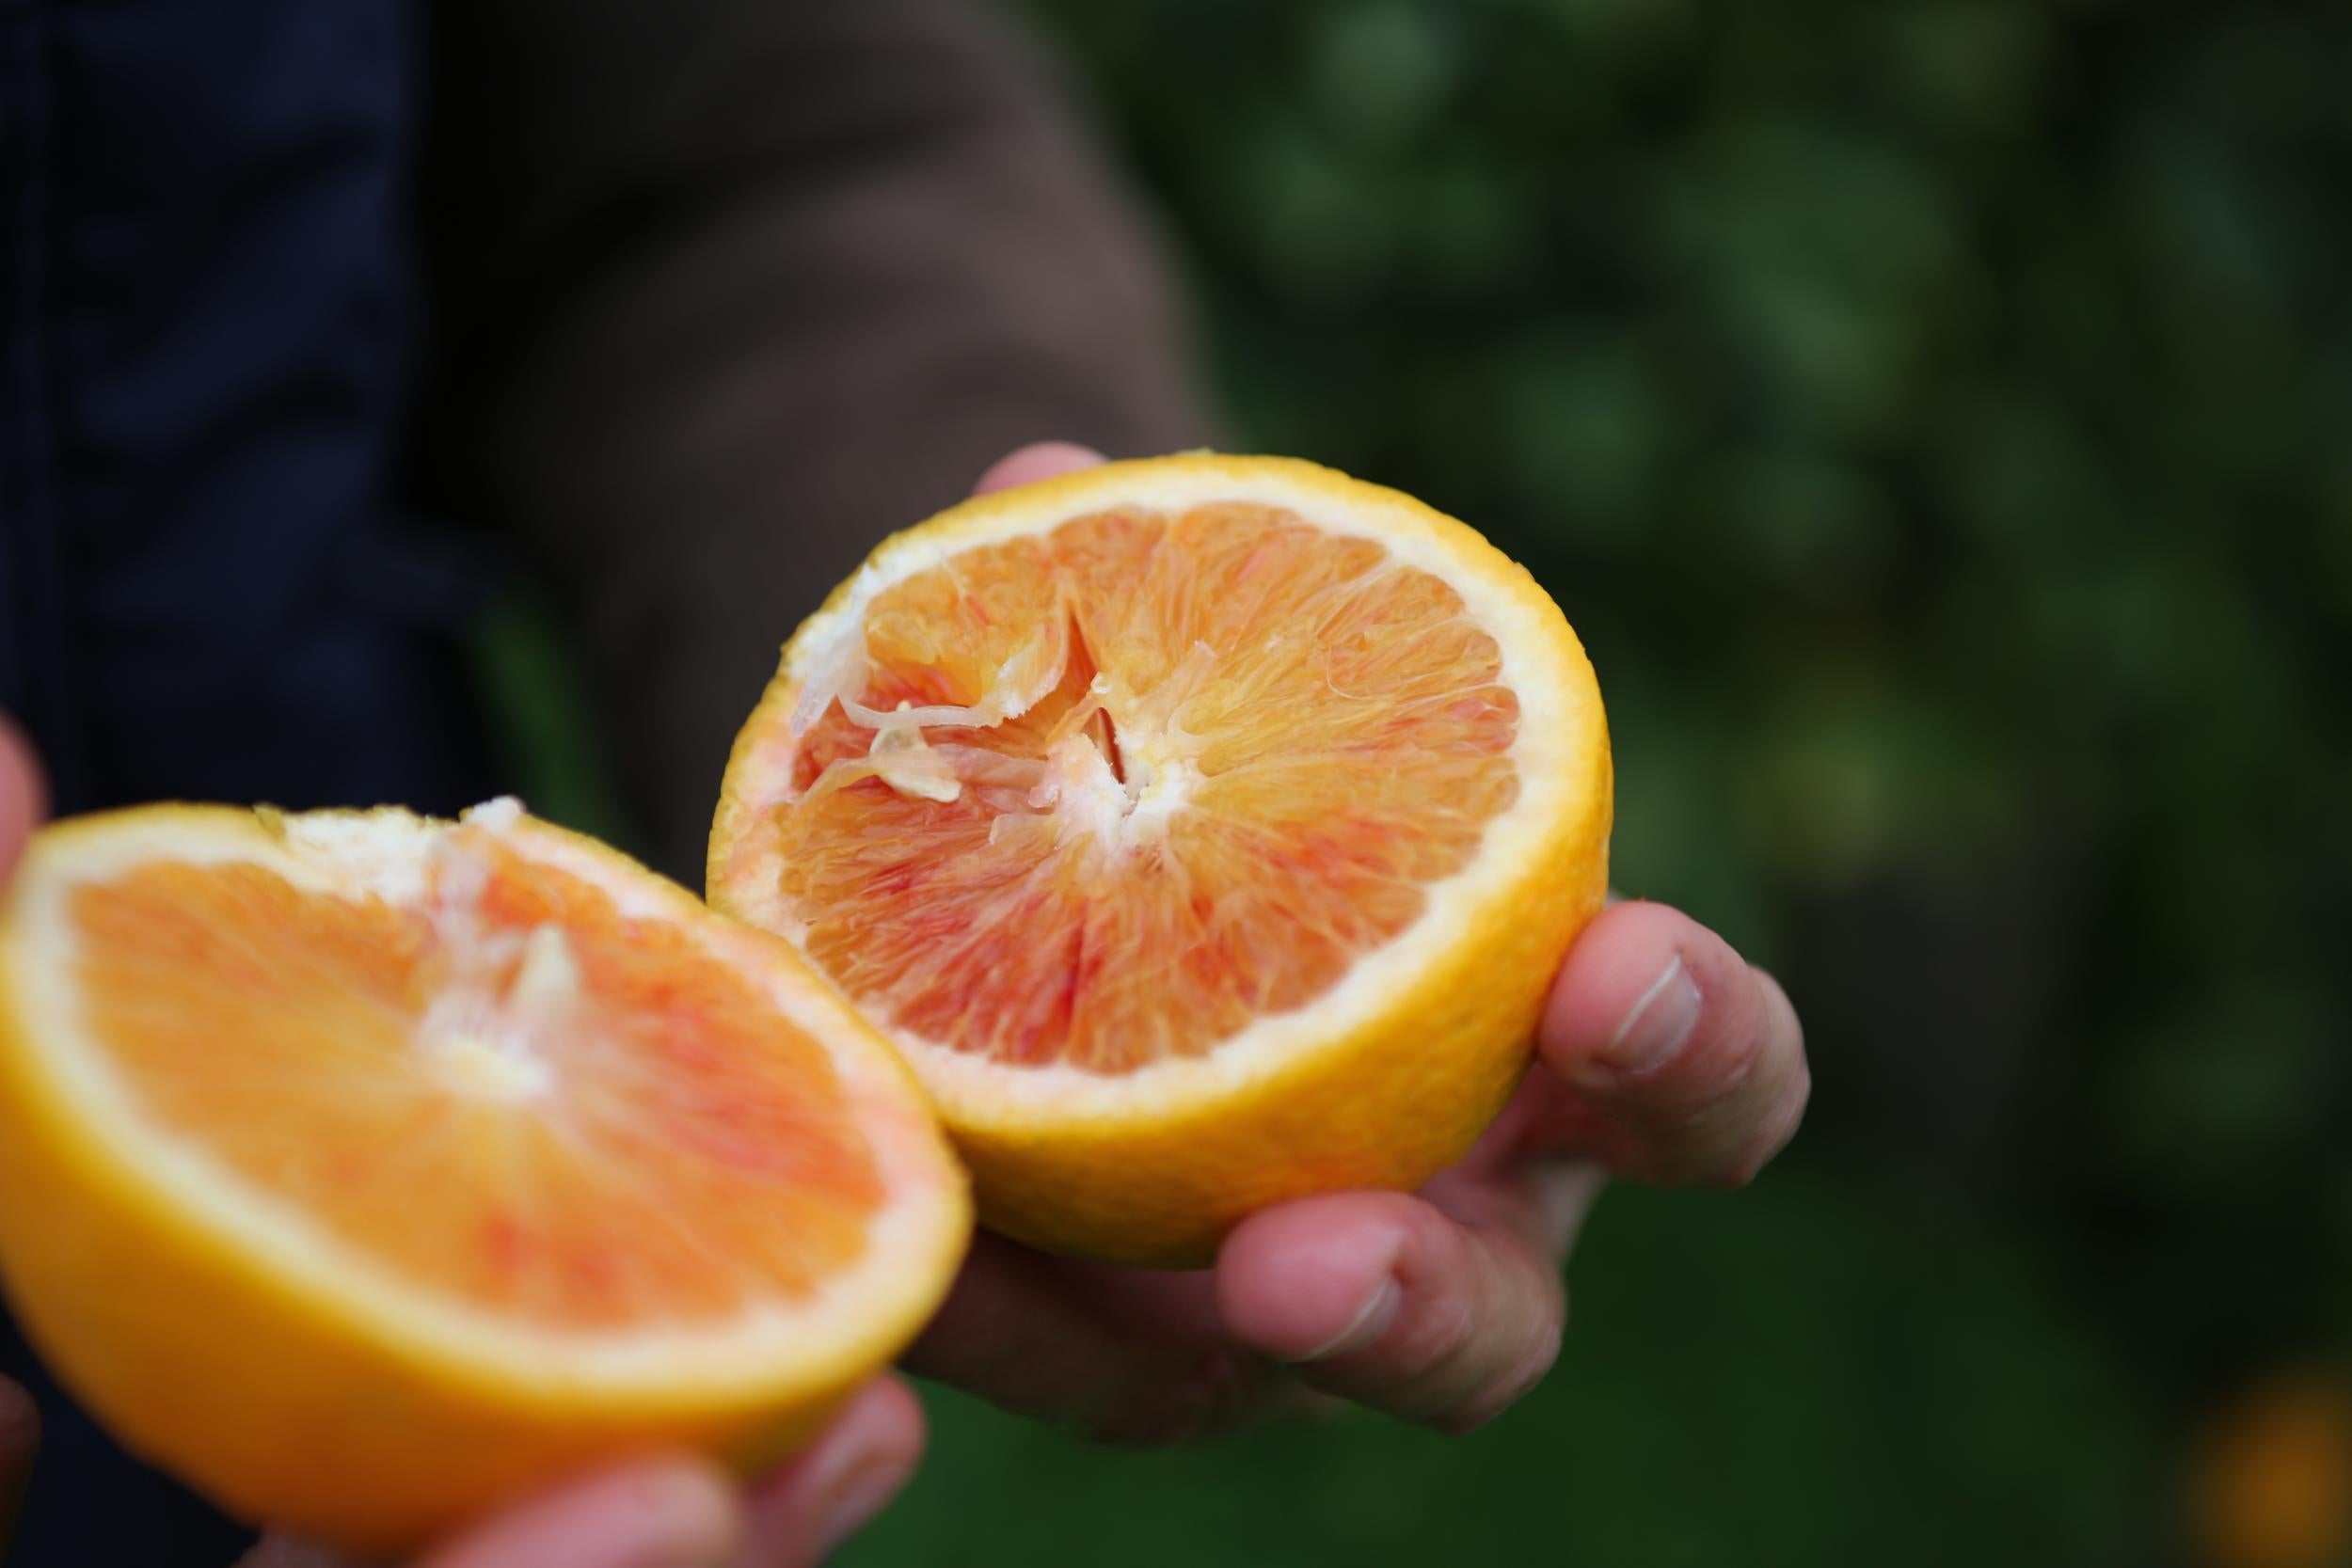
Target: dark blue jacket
x=203 y=317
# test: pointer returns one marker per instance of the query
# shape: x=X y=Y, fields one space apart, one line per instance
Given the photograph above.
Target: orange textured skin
x=1387 y=1104
x=266 y=1394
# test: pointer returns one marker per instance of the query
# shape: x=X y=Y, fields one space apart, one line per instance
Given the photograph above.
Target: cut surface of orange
x=364 y=1168
x=1203 y=830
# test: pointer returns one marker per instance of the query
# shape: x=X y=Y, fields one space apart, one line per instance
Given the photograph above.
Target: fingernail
x=861 y=1497
x=1364 y=1329
x=1657 y=1022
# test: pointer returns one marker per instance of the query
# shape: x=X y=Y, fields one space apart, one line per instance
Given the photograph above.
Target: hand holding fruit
x=1662 y=1057
x=1068 y=793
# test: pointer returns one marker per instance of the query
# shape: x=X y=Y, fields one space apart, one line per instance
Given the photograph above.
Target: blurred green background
x=1937 y=420
x=1936 y=416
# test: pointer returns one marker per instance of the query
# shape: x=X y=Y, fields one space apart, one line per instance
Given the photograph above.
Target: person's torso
x=203 y=308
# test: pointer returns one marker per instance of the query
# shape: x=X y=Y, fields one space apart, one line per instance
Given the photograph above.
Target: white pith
x=1555 y=755
x=796 y=1342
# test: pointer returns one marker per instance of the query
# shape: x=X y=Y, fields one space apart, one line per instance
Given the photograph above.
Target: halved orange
x=1203 y=830
x=363 y=1168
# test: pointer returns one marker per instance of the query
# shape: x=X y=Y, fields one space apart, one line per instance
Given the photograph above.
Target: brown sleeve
x=729 y=289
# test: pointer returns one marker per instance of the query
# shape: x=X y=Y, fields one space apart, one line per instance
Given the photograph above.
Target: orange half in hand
x=1204 y=831
x=363 y=1169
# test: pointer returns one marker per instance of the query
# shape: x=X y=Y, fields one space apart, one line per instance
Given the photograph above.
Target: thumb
x=1035 y=461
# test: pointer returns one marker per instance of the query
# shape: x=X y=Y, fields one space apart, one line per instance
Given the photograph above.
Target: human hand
x=660 y=1512
x=682 y=1513
x=1661 y=1056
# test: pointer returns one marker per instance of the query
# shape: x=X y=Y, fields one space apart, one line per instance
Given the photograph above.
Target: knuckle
x=1502 y=1352
x=1778 y=1127
x=1448 y=1336
x=1511 y=1382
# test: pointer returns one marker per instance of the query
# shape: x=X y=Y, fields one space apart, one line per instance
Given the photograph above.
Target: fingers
x=656 y=1513
x=21 y=801
x=1391 y=1302
x=1035 y=461
x=682 y=1513
x=803 y=1511
x=1125 y=1355
x=1682 y=1062
x=1441 y=1310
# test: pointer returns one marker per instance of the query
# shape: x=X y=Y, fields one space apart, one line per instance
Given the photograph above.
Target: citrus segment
x=464 y=1153
x=569 y=1117
x=1259 y=744
x=1160 y=814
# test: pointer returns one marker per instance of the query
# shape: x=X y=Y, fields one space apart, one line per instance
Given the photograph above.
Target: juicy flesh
x=1104 y=796
x=515 y=1095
